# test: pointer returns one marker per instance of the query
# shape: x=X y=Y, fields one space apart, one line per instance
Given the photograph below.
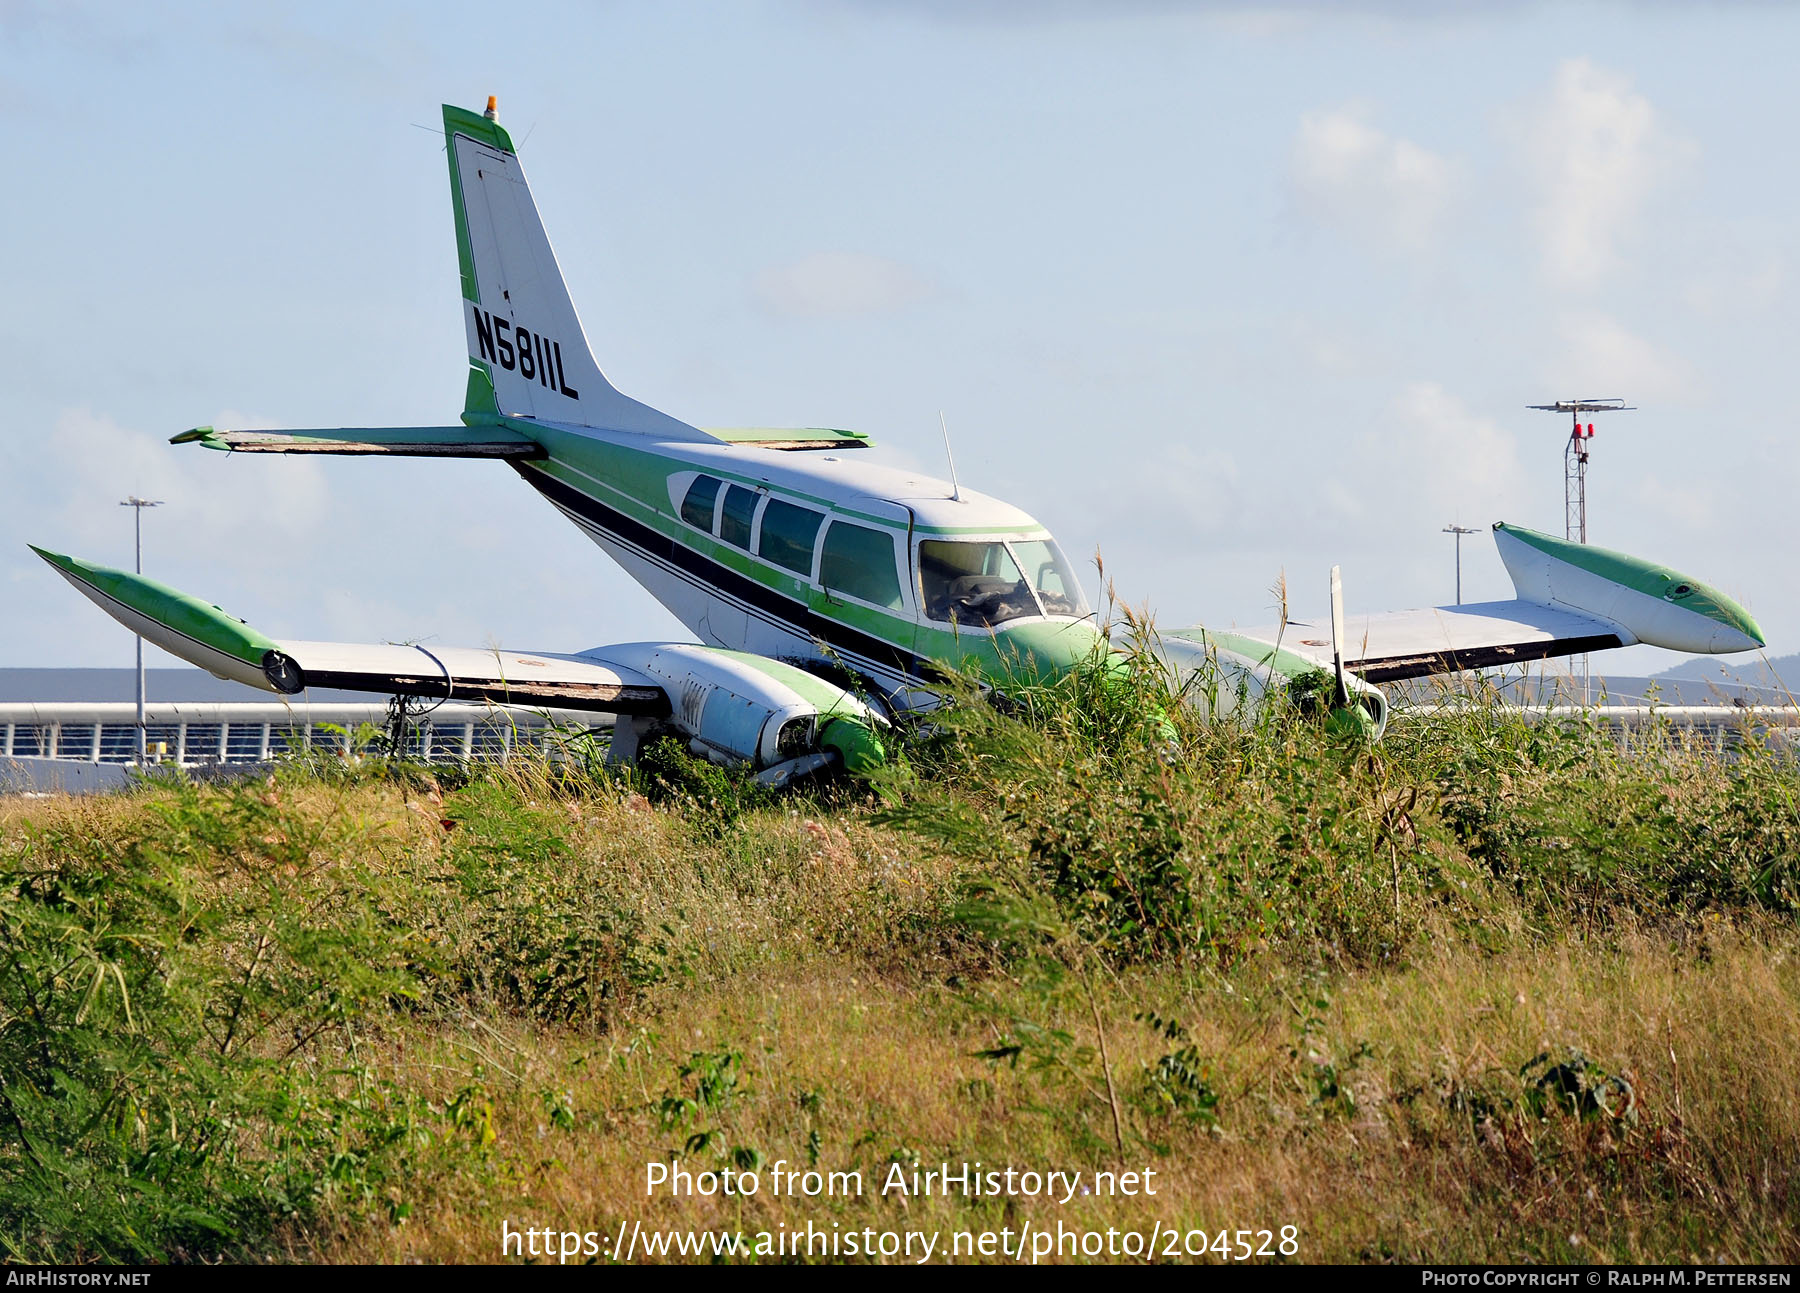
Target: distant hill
x=1710 y=680
x=1749 y=670
x=121 y=684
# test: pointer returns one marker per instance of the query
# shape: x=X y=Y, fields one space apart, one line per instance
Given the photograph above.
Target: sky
x=1226 y=292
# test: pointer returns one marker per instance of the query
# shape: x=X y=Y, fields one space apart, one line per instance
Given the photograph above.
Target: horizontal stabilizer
x=792 y=437
x=404 y=442
x=227 y=647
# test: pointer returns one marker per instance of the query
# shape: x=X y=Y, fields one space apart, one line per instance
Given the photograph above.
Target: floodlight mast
x=137 y=506
x=1459 y=531
x=1575 y=459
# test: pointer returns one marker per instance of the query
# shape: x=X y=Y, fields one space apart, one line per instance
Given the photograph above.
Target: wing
x=731 y=706
x=1392 y=645
x=223 y=645
x=1572 y=598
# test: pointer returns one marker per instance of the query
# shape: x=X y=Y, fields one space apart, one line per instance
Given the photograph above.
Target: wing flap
x=1392 y=645
x=1395 y=645
x=468 y=673
x=486 y=441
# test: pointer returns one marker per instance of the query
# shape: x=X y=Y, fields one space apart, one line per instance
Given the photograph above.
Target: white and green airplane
x=827 y=593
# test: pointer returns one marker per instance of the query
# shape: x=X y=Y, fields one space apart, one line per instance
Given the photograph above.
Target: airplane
x=828 y=594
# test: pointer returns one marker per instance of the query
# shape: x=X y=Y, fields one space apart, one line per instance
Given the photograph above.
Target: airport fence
x=197 y=734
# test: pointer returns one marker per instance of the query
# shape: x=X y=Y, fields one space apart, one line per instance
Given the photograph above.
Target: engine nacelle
x=734 y=708
x=1222 y=683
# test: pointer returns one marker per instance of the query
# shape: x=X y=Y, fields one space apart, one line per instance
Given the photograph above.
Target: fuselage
x=822 y=559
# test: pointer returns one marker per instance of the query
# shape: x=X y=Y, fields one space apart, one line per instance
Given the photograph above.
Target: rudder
x=527 y=352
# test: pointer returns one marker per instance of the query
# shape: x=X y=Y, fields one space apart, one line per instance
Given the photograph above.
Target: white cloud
x=1600 y=357
x=89 y=462
x=837 y=283
x=1690 y=505
x=1337 y=349
x=1387 y=190
x=1440 y=462
x=1202 y=488
x=1593 y=150
x=1738 y=282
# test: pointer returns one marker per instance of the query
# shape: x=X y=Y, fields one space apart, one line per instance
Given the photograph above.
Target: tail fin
x=527 y=353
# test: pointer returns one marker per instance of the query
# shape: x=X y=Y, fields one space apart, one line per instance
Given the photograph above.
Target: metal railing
x=1724 y=727
x=196 y=734
x=1634 y=715
x=201 y=733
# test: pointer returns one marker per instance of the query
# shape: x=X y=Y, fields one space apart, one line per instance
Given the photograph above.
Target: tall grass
x=1155 y=834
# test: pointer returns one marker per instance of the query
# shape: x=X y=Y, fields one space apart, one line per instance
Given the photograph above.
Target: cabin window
x=1048 y=570
x=740 y=508
x=697 y=507
x=787 y=535
x=977 y=585
x=859 y=562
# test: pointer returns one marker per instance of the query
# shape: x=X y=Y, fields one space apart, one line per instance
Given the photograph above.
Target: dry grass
x=1707 y=1173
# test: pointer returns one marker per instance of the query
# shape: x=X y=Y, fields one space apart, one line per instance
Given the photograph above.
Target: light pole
x=1459 y=531
x=137 y=506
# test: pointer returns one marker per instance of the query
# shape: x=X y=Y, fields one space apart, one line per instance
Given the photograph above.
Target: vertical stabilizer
x=527 y=352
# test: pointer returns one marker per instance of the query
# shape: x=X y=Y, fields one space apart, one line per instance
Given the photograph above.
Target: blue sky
x=1225 y=290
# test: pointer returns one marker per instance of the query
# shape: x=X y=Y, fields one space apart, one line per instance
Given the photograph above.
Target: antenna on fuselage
x=955 y=489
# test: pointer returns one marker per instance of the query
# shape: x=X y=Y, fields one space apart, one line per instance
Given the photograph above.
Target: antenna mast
x=1575 y=459
x=955 y=489
x=1575 y=467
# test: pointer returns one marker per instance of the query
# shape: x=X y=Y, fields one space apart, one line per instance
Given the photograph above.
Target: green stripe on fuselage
x=1024 y=651
x=634 y=481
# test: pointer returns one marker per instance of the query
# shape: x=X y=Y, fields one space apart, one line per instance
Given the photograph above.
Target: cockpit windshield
x=1048 y=570
x=980 y=584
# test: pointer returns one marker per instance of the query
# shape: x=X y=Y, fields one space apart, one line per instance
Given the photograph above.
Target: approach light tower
x=1575 y=459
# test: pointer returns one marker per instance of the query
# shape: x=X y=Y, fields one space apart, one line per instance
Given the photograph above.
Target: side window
x=740 y=507
x=787 y=535
x=859 y=562
x=697 y=507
